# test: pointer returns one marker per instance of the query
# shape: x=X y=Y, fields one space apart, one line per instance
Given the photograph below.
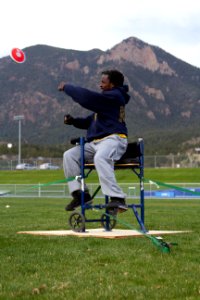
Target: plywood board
x=101 y=233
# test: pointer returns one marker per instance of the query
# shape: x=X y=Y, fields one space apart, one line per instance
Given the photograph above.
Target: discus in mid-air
x=18 y=55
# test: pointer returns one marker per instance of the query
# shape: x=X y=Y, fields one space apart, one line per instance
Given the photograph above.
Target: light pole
x=9 y=146
x=19 y=118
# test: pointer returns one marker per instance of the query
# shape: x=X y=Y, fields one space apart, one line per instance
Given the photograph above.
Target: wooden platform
x=101 y=233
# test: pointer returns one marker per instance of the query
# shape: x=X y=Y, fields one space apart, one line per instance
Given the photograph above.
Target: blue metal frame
x=138 y=170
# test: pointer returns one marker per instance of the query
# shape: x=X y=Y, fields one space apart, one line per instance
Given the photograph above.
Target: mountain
x=165 y=94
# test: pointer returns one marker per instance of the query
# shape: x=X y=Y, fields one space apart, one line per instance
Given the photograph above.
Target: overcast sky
x=172 y=25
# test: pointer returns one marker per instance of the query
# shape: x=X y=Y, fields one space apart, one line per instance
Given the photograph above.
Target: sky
x=172 y=25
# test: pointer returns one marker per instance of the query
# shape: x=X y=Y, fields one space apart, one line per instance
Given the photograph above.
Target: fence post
x=39 y=190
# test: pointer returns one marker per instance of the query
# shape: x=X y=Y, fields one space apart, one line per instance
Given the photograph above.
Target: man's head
x=110 y=79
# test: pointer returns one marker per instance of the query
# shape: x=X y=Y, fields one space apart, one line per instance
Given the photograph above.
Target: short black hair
x=115 y=77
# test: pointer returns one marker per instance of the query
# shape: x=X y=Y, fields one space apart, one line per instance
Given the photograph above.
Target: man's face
x=105 y=84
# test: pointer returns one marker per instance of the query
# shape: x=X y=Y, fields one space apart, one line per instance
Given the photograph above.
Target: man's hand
x=61 y=86
x=68 y=119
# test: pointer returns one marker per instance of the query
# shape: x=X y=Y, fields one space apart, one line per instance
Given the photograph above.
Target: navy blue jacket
x=108 y=108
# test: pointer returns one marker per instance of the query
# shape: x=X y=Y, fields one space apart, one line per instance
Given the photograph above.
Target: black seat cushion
x=131 y=156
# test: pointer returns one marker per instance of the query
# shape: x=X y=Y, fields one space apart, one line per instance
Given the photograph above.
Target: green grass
x=37 y=267
x=44 y=176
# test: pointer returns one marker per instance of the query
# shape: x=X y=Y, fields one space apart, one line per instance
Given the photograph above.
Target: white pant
x=104 y=153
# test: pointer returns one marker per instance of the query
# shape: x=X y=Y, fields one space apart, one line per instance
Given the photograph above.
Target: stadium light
x=19 y=118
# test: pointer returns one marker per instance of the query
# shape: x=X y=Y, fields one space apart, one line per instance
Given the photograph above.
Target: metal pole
x=19 y=118
x=19 y=144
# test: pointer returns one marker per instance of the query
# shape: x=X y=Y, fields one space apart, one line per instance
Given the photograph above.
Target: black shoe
x=118 y=204
x=76 y=201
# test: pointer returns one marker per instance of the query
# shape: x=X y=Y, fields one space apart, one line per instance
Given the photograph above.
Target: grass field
x=36 y=267
x=44 y=176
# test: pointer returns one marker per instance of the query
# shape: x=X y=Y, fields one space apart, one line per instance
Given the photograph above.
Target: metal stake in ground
x=159 y=243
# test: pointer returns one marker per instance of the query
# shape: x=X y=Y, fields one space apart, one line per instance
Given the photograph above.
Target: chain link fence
x=153 y=161
x=6 y=164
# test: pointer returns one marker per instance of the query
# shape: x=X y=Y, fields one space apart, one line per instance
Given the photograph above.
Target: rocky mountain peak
x=140 y=54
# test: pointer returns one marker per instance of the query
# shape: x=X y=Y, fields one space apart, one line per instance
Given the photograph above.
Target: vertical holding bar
x=82 y=142
x=107 y=214
x=141 y=143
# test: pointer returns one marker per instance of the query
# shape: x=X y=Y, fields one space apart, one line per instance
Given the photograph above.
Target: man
x=106 y=136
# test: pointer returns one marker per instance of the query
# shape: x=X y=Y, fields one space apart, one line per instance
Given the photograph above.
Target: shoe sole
x=117 y=209
x=122 y=209
x=72 y=209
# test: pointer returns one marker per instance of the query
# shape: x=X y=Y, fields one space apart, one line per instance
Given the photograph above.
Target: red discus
x=18 y=55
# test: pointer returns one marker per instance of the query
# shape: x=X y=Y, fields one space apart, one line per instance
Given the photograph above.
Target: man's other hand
x=61 y=86
x=68 y=119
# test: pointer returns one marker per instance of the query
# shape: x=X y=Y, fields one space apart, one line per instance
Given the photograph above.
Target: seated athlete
x=106 y=136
